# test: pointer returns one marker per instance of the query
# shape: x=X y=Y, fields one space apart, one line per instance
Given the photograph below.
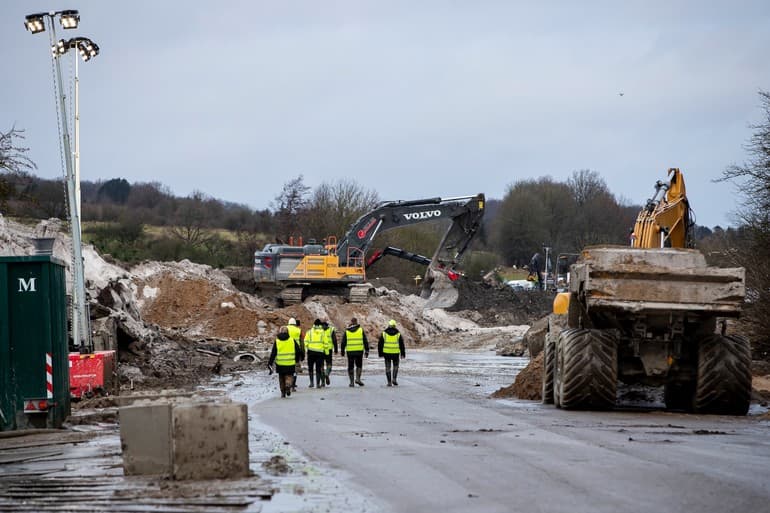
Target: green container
x=34 y=364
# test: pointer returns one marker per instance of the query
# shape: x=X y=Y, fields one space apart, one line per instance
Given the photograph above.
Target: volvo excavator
x=653 y=314
x=299 y=270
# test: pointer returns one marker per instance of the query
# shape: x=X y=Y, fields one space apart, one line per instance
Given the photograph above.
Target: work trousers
x=391 y=359
x=355 y=358
x=315 y=360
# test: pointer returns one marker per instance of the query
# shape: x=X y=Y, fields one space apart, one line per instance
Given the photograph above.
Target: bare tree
x=752 y=247
x=333 y=207
x=13 y=159
x=289 y=204
x=532 y=213
x=191 y=221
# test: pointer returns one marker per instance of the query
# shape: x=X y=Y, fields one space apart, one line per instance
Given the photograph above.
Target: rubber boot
x=294 y=383
x=387 y=375
x=311 y=380
x=328 y=373
x=358 y=377
x=395 y=376
x=289 y=380
x=282 y=386
x=320 y=381
x=350 y=375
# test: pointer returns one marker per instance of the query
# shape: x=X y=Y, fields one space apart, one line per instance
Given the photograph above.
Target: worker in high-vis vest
x=295 y=332
x=314 y=347
x=355 y=343
x=330 y=343
x=285 y=354
x=391 y=347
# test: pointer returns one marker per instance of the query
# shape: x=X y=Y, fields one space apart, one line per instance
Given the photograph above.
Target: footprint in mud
x=277 y=466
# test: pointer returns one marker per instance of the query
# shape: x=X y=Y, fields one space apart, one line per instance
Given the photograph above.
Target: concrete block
x=210 y=441
x=145 y=438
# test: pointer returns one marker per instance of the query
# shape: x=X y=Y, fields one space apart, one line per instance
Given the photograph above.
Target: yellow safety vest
x=328 y=340
x=295 y=332
x=285 y=354
x=314 y=340
x=391 y=345
x=355 y=340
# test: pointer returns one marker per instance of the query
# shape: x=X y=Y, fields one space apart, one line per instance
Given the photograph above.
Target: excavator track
x=359 y=293
x=291 y=295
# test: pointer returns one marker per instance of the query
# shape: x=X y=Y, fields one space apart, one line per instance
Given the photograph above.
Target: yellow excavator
x=652 y=314
x=665 y=221
x=299 y=270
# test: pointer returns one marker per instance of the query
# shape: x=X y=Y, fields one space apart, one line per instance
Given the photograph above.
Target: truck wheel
x=724 y=375
x=589 y=369
x=549 y=362
x=679 y=395
x=558 y=369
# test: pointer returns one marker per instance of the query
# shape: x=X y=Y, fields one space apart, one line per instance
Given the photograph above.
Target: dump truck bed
x=666 y=279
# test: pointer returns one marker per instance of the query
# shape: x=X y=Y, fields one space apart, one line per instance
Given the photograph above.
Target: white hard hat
x=292 y=322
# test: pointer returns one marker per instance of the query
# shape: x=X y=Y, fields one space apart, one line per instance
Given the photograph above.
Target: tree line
x=138 y=221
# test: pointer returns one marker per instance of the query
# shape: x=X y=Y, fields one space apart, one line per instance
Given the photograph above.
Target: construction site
x=173 y=406
x=622 y=367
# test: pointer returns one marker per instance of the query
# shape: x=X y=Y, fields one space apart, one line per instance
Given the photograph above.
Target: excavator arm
x=397 y=252
x=666 y=219
x=465 y=213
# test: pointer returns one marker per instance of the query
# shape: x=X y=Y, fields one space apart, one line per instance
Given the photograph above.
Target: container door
x=29 y=336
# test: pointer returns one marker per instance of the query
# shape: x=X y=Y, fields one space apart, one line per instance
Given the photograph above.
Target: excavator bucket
x=439 y=289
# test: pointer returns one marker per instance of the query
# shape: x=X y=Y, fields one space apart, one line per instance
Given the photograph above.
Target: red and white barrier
x=48 y=376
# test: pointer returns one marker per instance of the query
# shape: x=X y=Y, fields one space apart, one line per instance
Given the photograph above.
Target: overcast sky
x=413 y=99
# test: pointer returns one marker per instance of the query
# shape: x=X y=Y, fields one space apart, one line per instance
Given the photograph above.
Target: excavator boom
x=665 y=221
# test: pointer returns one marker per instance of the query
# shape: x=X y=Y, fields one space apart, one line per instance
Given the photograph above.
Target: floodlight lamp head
x=35 y=22
x=88 y=49
x=69 y=19
x=60 y=48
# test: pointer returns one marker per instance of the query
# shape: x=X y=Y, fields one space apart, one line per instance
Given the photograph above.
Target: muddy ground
x=179 y=324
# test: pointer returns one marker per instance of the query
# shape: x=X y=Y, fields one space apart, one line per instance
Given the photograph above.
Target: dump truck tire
x=549 y=362
x=724 y=375
x=588 y=369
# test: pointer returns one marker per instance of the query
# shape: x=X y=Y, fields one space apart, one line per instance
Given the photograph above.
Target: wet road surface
x=437 y=443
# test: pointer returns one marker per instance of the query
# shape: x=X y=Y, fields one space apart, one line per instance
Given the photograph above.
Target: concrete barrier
x=145 y=439
x=210 y=441
x=186 y=441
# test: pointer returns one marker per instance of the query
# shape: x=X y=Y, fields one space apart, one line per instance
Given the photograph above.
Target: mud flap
x=439 y=290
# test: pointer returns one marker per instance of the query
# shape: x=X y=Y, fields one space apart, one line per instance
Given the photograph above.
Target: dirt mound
x=175 y=324
x=528 y=384
x=498 y=305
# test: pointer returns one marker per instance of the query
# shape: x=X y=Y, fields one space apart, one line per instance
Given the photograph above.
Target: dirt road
x=436 y=443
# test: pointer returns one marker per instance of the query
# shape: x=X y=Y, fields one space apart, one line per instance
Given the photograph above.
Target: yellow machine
x=649 y=314
x=343 y=263
x=665 y=221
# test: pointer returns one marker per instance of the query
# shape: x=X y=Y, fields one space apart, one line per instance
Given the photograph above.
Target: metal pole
x=77 y=134
x=80 y=335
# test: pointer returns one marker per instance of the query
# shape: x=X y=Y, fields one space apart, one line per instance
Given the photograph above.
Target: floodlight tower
x=69 y=19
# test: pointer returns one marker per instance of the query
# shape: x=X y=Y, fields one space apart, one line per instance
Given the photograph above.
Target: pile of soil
x=528 y=384
x=499 y=305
